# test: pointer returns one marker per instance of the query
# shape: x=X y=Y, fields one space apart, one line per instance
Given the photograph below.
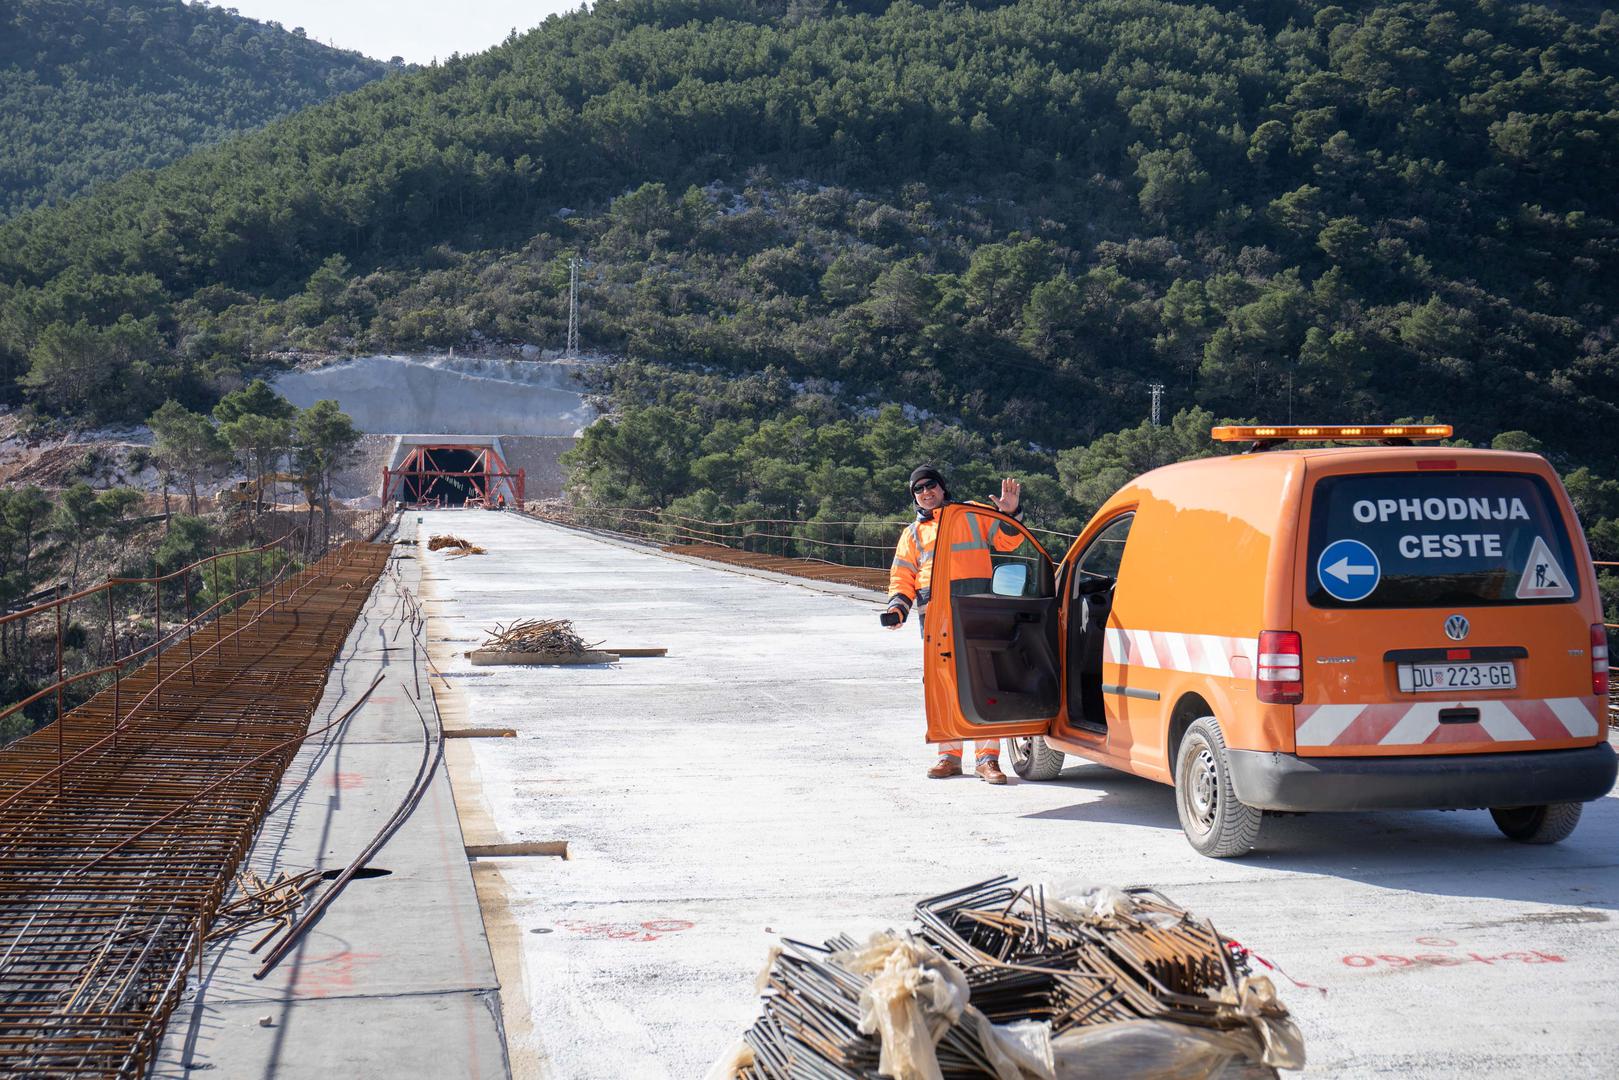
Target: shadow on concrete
x=1125 y=799
x=1441 y=853
x=1454 y=853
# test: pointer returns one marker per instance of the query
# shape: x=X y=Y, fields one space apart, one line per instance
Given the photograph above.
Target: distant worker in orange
x=911 y=574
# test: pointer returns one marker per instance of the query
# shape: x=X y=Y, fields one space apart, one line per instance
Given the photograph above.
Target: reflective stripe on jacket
x=910 y=576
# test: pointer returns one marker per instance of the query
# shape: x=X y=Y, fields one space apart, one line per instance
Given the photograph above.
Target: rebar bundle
x=810 y=1025
x=1144 y=957
x=462 y=547
x=122 y=825
x=1117 y=957
x=537 y=636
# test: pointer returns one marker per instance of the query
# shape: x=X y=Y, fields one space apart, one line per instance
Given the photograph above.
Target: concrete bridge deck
x=765 y=779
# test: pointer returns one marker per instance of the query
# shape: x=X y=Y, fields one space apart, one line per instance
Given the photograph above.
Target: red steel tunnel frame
x=419 y=474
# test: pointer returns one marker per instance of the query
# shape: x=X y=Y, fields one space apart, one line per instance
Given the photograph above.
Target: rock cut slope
x=447 y=396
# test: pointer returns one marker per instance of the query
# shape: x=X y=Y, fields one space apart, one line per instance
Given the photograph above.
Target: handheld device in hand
x=891 y=618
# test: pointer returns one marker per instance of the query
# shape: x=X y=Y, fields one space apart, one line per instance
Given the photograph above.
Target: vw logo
x=1456 y=627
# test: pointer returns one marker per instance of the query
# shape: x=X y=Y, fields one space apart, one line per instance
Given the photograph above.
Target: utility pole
x=1157 y=391
x=572 y=351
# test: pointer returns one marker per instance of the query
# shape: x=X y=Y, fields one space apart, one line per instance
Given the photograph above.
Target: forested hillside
x=93 y=89
x=1004 y=219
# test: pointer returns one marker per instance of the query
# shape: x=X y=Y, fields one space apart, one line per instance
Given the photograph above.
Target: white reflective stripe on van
x=1195 y=654
x=1179 y=653
x=1325 y=723
x=1422 y=721
x=1417 y=723
x=1575 y=715
x=1117 y=644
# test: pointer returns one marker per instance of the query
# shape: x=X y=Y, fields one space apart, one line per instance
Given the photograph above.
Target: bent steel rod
x=432 y=754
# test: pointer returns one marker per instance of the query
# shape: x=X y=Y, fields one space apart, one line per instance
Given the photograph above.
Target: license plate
x=1442 y=678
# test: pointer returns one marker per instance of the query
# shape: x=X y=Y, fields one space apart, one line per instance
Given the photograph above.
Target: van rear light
x=1599 y=660
x=1280 y=671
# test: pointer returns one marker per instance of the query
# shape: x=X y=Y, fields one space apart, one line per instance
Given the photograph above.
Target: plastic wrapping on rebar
x=97 y=930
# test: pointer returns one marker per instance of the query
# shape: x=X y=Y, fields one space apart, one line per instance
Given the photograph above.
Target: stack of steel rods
x=537 y=636
x=1024 y=959
x=462 y=547
x=809 y=1029
x=1156 y=958
x=116 y=855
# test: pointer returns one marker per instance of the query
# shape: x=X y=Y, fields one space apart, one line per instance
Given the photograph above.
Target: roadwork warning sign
x=1542 y=578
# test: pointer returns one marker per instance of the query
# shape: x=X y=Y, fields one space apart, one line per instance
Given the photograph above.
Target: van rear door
x=1444 y=610
x=989 y=653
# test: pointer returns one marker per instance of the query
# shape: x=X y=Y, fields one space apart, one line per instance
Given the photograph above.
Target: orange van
x=1351 y=628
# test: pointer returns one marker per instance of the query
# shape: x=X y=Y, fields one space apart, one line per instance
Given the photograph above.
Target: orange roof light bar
x=1330 y=432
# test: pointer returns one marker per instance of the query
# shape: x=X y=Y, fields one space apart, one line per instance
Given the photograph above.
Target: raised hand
x=1011 y=495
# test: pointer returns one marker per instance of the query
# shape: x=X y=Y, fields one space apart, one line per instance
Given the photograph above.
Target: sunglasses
x=923 y=485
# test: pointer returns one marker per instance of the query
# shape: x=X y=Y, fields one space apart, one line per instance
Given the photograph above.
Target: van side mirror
x=1009 y=579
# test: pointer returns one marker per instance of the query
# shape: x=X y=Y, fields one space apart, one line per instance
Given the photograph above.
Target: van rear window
x=1438 y=540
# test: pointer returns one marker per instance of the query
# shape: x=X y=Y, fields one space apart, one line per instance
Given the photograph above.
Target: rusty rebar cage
x=122 y=823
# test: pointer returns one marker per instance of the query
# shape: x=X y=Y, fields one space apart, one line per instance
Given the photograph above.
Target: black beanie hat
x=927 y=472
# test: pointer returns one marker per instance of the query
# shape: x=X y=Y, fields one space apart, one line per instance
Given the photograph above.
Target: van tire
x=1537 y=824
x=1033 y=758
x=1215 y=823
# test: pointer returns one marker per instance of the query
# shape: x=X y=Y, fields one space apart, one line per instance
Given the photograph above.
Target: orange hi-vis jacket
x=910 y=576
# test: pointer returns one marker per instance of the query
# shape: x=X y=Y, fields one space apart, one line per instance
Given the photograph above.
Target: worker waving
x=911 y=574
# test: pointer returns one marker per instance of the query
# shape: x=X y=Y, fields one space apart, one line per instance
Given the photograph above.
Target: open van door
x=989 y=647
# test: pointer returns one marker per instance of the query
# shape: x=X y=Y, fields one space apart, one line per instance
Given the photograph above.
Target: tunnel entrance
x=453 y=475
x=444 y=476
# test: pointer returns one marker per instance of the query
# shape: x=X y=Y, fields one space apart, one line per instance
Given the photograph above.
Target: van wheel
x=1214 y=821
x=1537 y=824
x=1033 y=759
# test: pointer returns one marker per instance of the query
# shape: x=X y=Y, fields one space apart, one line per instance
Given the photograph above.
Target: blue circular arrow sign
x=1348 y=570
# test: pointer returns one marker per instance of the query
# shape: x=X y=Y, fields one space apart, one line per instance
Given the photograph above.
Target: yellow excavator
x=240 y=496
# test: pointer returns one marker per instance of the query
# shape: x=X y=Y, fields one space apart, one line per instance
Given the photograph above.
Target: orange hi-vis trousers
x=988 y=749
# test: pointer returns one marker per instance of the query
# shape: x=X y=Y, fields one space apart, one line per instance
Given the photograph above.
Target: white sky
x=418 y=30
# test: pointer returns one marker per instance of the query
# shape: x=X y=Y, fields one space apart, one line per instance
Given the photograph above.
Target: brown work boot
x=989 y=771
x=947 y=765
